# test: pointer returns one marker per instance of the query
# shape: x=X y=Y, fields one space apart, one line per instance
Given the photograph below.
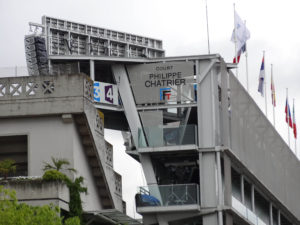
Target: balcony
x=167 y=198
x=166 y=136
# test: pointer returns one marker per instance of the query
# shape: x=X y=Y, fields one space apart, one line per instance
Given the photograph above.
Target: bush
x=72 y=221
x=7 y=166
x=54 y=175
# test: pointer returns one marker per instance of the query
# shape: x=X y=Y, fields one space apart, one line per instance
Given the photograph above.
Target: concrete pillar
x=228 y=219
x=161 y=220
x=210 y=219
x=227 y=181
x=271 y=213
x=208 y=178
x=92 y=70
x=253 y=198
x=242 y=189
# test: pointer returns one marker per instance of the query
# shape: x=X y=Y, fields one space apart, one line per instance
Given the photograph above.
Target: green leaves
x=7 y=166
x=51 y=175
x=59 y=165
x=13 y=213
x=53 y=172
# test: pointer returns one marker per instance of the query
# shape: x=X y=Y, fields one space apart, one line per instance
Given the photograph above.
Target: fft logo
x=165 y=93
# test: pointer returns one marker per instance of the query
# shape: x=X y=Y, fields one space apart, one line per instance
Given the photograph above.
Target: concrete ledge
x=162 y=209
x=168 y=148
x=38 y=192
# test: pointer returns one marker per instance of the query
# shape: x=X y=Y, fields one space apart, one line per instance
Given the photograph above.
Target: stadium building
x=209 y=155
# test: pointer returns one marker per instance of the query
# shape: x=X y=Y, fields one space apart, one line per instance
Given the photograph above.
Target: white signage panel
x=169 y=82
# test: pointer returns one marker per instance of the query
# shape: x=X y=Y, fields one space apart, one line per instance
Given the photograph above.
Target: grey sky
x=273 y=24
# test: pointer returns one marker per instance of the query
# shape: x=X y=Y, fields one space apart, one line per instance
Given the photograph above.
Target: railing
x=246 y=213
x=160 y=136
x=168 y=195
x=36 y=87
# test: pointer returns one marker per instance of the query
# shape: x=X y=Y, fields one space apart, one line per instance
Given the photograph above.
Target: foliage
x=75 y=188
x=72 y=221
x=52 y=172
x=54 y=175
x=58 y=164
x=7 y=166
x=13 y=213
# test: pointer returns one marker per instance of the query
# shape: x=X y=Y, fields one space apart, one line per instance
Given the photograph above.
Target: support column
x=253 y=198
x=242 y=189
x=209 y=190
x=271 y=213
x=161 y=220
x=92 y=70
x=220 y=188
x=228 y=219
x=227 y=181
x=148 y=168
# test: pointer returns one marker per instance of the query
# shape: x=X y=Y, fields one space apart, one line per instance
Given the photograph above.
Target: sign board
x=106 y=93
x=162 y=82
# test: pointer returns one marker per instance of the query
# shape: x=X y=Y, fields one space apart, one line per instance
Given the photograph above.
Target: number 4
x=109 y=94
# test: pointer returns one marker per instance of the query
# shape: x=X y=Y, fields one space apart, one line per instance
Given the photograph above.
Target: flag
x=261 y=77
x=273 y=91
x=242 y=50
x=240 y=35
x=288 y=117
x=294 y=123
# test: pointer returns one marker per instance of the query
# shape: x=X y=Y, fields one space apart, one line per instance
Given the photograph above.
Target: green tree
x=7 y=166
x=59 y=165
x=13 y=213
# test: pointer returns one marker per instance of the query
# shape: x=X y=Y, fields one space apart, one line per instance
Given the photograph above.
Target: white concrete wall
x=50 y=136
x=47 y=137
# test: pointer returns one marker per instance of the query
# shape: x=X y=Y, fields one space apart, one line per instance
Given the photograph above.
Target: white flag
x=242 y=33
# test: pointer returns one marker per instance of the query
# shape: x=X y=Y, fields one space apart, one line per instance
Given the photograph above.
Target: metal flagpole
x=273 y=94
x=293 y=128
x=288 y=116
x=246 y=55
x=265 y=84
x=208 y=45
x=235 y=42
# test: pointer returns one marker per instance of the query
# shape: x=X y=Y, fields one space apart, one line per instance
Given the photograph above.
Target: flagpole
x=288 y=116
x=293 y=128
x=246 y=55
x=208 y=45
x=273 y=95
x=235 y=42
x=265 y=84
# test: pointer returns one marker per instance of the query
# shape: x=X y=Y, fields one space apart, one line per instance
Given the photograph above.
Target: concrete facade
x=58 y=118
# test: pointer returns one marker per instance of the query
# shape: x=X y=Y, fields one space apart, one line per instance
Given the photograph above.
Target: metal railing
x=168 y=195
x=246 y=213
x=160 y=136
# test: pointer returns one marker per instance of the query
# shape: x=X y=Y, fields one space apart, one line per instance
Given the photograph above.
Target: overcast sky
x=181 y=25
